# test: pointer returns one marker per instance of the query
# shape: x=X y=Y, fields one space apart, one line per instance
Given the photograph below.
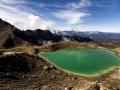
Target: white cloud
x=80 y=4
x=34 y=22
x=44 y=5
x=22 y=19
x=12 y=2
x=84 y=28
x=71 y=16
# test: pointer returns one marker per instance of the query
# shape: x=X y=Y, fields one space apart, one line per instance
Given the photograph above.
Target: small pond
x=85 y=62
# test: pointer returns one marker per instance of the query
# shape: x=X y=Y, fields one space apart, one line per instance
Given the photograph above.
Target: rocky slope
x=42 y=75
x=11 y=36
x=47 y=77
x=8 y=39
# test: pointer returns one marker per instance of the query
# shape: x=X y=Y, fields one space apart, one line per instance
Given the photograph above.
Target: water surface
x=89 y=62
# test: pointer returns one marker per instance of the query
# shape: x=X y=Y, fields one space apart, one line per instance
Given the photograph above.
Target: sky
x=78 y=15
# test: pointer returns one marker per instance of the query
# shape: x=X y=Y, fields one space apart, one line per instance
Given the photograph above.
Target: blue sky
x=79 y=15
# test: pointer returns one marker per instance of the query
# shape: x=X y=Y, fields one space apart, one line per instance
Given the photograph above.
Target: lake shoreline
x=84 y=75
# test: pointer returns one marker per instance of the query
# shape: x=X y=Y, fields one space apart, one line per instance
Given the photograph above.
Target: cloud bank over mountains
x=60 y=15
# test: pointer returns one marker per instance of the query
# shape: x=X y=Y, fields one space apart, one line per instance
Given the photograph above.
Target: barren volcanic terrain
x=22 y=69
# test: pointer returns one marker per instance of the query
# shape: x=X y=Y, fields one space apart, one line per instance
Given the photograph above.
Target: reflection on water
x=84 y=61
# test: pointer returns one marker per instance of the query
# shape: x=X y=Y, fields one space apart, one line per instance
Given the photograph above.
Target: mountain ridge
x=10 y=36
x=93 y=35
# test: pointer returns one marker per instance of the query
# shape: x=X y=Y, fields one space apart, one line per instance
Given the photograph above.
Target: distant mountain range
x=93 y=35
x=11 y=36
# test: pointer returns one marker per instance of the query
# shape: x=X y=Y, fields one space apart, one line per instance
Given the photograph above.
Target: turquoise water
x=84 y=61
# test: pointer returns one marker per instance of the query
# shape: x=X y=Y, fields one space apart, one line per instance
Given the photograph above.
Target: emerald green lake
x=87 y=62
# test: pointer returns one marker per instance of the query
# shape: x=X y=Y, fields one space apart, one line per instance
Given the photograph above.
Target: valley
x=22 y=69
